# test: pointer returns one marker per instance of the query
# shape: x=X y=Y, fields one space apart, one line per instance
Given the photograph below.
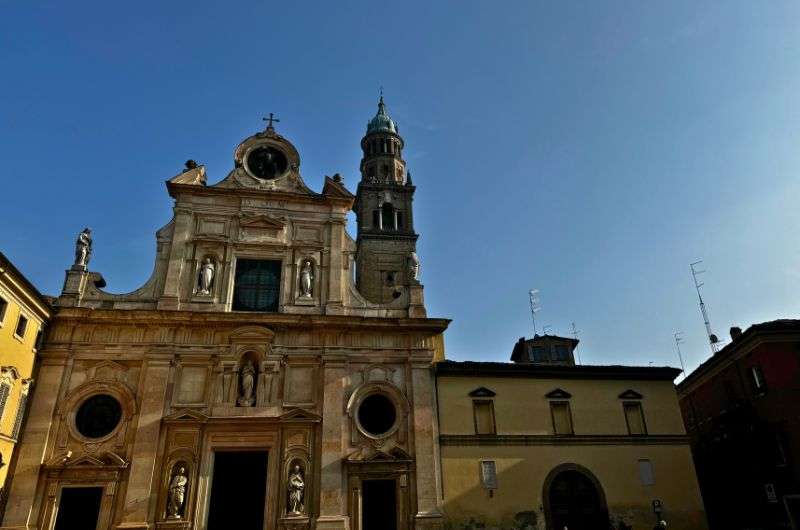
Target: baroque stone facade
x=251 y=344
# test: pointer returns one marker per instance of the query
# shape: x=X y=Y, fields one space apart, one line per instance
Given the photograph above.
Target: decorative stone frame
x=216 y=284
x=316 y=281
x=285 y=282
x=267 y=139
x=70 y=405
x=394 y=394
x=188 y=460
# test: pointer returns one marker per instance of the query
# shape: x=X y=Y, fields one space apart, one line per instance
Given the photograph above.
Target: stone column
x=142 y=483
x=20 y=509
x=425 y=434
x=170 y=298
x=332 y=488
x=336 y=270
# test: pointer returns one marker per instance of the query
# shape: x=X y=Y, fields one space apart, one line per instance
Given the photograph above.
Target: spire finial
x=381 y=104
x=269 y=121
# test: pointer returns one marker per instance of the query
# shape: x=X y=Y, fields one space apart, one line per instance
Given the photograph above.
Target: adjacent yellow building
x=542 y=443
x=23 y=315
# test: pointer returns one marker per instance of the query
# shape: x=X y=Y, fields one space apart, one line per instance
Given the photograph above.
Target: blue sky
x=589 y=149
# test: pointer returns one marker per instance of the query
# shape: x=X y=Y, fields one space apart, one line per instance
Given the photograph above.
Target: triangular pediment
x=482 y=391
x=186 y=415
x=334 y=187
x=558 y=393
x=300 y=415
x=194 y=176
x=262 y=221
x=630 y=394
x=365 y=455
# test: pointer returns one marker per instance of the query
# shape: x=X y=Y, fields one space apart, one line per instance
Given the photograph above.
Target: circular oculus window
x=267 y=163
x=98 y=416
x=377 y=414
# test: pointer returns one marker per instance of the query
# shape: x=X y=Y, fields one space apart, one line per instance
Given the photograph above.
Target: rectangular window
x=376 y=219
x=22 y=325
x=39 y=337
x=757 y=378
x=257 y=285
x=561 y=352
x=398 y=220
x=23 y=400
x=646 y=472
x=562 y=417
x=484 y=417
x=489 y=474
x=3 y=308
x=634 y=417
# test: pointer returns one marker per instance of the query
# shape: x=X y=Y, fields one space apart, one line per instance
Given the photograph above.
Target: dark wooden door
x=576 y=504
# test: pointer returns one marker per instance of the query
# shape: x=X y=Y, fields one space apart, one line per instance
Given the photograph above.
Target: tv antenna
x=678 y=340
x=536 y=306
x=713 y=340
x=575 y=335
x=546 y=329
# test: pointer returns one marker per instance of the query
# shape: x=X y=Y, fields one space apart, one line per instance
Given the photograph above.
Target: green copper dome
x=381 y=122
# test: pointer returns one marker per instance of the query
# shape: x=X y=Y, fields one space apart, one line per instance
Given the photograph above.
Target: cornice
x=575 y=439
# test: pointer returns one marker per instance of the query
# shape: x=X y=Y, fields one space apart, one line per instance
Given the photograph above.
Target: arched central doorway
x=574 y=500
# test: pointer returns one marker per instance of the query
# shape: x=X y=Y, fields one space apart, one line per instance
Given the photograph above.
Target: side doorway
x=574 y=499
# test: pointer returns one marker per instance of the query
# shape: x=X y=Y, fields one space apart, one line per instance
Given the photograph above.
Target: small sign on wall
x=489 y=474
x=769 y=489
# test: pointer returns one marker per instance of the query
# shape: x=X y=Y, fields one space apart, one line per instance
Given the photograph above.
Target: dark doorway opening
x=79 y=508
x=379 y=506
x=576 y=503
x=238 y=490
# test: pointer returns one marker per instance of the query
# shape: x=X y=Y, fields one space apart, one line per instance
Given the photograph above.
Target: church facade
x=272 y=373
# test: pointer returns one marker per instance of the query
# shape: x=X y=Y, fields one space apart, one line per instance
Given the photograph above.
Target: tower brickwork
x=386 y=241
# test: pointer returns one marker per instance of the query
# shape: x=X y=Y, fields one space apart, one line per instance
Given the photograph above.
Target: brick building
x=742 y=412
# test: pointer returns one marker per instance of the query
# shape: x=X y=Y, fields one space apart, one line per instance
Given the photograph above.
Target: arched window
x=387 y=217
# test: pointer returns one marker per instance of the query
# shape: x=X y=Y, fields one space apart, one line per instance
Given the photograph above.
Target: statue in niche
x=177 y=493
x=83 y=248
x=306 y=279
x=248 y=381
x=413 y=265
x=296 y=485
x=205 y=280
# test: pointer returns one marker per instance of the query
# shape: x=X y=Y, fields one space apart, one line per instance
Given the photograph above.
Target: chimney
x=736 y=332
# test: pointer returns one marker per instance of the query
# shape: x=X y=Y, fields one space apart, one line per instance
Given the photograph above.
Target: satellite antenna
x=575 y=335
x=678 y=340
x=713 y=340
x=533 y=296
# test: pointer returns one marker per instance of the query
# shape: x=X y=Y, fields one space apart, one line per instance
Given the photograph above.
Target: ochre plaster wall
x=521 y=473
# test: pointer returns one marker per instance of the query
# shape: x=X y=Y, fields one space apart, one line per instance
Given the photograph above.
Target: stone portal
x=238 y=490
x=79 y=508
x=379 y=510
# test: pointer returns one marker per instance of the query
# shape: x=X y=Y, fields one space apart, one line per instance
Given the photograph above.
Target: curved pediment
x=252 y=335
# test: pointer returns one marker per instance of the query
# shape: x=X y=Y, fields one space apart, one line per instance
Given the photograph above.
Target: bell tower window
x=388 y=219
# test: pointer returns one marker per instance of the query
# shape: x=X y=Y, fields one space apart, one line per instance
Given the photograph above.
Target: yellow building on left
x=24 y=312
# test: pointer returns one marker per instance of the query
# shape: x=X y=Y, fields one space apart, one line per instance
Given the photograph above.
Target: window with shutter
x=634 y=417
x=23 y=400
x=484 y=417
x=562 y=417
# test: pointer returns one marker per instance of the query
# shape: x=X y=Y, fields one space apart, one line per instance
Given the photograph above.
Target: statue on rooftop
x=83 y=248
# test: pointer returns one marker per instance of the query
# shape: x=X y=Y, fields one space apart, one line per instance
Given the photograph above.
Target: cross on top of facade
x=270 y=119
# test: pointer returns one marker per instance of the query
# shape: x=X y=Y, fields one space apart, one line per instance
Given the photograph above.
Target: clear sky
x=589 y=149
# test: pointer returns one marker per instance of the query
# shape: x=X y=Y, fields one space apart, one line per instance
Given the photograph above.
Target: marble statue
x=248 y=381
x=296 y=486
x=83 y=248
x=413 y=265
x=306 y=279
x=177 y=494
x=206 y=279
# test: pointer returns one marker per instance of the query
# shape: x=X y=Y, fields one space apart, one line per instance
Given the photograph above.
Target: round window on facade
x=98 y=416
x=377 y=414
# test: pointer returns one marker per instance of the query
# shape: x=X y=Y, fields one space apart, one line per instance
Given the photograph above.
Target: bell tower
x=386 y=263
